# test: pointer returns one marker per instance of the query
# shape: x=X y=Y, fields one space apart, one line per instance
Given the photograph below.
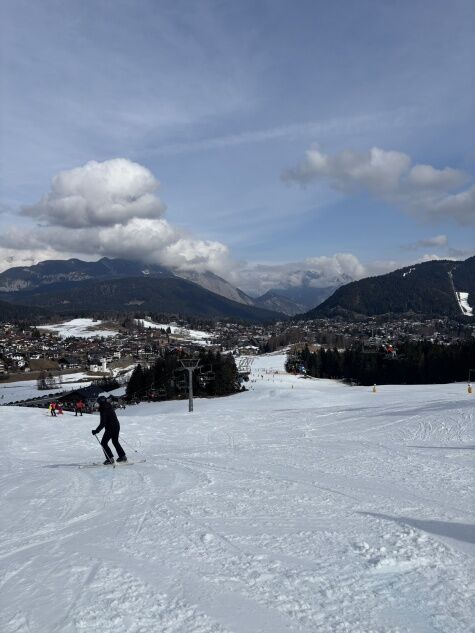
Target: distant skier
x=79 y=407
x=111 y=426
x=52 y=409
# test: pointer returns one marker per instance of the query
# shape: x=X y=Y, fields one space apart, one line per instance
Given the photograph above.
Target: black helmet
x=101 y=400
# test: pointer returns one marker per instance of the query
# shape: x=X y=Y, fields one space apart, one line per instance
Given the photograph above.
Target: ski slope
x=80 y=328
x=298 y=506
x=25 y=389
x=176 y=330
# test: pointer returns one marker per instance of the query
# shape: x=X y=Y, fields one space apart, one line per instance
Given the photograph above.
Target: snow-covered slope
x=81 y=328
x=25 y=389
x=462 y=298
x=175 y=330
x=299 y=506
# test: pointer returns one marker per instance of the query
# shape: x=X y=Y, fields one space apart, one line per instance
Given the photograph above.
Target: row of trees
x=166 y=379
x=420 y=362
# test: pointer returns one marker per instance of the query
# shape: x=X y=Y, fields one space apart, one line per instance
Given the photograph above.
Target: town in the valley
x=64 y=358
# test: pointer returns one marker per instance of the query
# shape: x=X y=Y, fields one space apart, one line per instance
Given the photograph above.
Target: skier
x=59 y=408
x=52 y=408
x=111 y=426
x=79 y=407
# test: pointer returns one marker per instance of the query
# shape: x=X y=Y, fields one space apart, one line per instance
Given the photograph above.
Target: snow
x=198 y=335
x=80 y=328
x=26 y=389
x=408 y=272
x=298 y=506
x=462 y=298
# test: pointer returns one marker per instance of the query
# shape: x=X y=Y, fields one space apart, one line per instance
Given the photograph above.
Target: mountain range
x=435 y=288
x=163 y=295
x=29 y=284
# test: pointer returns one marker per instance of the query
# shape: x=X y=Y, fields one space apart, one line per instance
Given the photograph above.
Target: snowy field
x=175 y=330
x=299 y=506
x=88 y=328
x=25 y=389
x=80 y=328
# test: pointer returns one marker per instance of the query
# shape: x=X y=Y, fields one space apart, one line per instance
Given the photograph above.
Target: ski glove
x=94 y=432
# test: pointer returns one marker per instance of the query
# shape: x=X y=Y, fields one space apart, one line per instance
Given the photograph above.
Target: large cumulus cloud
x=111 y=208
x=100 y=194
x=422 y=190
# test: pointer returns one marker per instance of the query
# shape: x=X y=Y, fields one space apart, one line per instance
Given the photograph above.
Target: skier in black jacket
x=111 y=426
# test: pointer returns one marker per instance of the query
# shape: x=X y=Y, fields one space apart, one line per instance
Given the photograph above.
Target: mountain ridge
x=162 y=294
x=427 y=288
x=49 y=272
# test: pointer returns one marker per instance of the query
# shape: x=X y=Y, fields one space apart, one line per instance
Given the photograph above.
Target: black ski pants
x=112 y=434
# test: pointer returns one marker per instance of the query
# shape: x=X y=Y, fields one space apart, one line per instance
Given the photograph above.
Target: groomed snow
x=80 y=328
x=299 y=506
x=26 y=389
x=462 y=298
x=197 y=335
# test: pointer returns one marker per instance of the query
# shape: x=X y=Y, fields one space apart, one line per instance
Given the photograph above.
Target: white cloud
x=109 y=209
x=316 y=272
x=427 y=177
x=460 y=205
x=197 y=255
x=388 y=175
x=438 y=241
x=339 y=265
x=152 y=241
x=100 y=194
x=12 y=257
x=376 y=170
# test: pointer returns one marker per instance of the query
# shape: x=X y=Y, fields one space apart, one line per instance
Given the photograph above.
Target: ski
x=119 y=464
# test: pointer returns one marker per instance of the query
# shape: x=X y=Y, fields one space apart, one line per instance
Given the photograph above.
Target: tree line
x=420 y=362
x=166 y=379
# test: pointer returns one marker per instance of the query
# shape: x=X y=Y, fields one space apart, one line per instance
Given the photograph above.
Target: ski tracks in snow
x=345 y=512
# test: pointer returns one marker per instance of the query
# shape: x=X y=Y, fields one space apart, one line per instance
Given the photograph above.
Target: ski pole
x=109 y=459
x=130 y=445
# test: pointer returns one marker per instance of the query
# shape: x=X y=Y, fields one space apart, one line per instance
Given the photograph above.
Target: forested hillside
x=427 y=289
x=419 y=362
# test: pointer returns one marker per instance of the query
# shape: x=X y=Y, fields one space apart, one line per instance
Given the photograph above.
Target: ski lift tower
x=190 y=364
x=244 y=365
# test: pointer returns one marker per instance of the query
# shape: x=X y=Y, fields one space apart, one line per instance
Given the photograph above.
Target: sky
x=256 y=139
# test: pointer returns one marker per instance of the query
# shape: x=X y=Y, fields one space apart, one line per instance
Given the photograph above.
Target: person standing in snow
x=110 y=423
x=79 y=407
x=52 y=409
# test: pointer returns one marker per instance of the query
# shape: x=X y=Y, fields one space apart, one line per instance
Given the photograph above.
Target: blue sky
x=257 y=118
